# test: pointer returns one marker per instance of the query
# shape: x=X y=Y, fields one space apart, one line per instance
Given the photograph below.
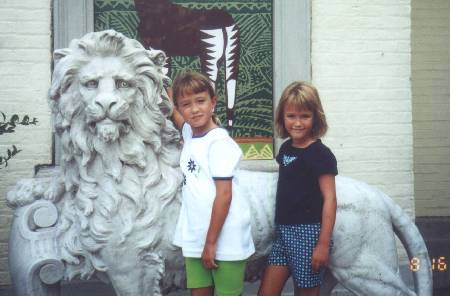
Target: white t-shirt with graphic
x=210 y=157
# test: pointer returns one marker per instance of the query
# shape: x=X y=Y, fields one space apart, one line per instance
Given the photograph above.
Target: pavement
x=100 y=289
x=95 y=288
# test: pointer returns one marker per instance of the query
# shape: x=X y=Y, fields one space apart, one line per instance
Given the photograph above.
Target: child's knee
x=307 y=291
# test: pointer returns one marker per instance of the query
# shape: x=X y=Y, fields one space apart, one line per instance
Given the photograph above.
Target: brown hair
x=301 y=95
x=191 y=82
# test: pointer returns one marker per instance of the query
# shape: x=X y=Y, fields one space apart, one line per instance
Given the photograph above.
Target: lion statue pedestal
x=110 y=210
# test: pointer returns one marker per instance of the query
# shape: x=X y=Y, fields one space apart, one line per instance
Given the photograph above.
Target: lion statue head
x=120 y=152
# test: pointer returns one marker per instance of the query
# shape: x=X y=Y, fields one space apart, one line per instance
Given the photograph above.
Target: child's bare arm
x=219 y=213
x=328 y=188
x=177 y=119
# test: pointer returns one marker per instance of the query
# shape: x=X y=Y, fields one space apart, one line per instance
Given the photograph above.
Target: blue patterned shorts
x=293 y=247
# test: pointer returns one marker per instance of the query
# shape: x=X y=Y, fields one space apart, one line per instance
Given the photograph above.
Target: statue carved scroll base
x=34 y=256
x=110 y=210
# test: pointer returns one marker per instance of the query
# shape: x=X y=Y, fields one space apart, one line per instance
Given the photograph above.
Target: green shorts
x=227 y=279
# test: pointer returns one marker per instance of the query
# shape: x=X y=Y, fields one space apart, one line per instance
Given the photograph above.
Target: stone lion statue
x=110 y=209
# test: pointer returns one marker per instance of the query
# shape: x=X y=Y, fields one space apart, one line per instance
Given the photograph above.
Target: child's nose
x=195 y=108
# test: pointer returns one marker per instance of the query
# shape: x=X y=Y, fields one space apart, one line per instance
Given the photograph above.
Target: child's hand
x=177 y=118
x=208 y=256
x=319 y=257
x=169 y=91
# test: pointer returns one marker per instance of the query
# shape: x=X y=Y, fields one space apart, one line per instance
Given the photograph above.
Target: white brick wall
x=361 y=66
x=25 y=61
x=431 y=106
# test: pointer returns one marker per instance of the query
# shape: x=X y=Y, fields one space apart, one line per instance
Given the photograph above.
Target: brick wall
x=431 y=106
x=25 y=56
x=361 y=66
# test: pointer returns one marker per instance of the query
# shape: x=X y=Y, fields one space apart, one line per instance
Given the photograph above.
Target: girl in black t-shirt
x=306 y=195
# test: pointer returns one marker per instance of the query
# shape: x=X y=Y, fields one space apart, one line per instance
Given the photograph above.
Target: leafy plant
x=8 y=126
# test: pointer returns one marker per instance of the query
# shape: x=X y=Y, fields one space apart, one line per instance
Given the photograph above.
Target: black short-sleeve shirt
x=299 y=199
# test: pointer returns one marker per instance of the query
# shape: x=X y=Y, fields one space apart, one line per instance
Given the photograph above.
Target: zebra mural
x=212 y=35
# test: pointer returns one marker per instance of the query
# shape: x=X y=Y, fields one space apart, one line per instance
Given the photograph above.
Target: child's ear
x=214 y=101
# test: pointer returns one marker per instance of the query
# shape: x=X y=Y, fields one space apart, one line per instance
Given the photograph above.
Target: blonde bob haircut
x=303 y=96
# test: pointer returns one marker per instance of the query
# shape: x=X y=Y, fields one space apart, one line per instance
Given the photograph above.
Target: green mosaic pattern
x=257 y=150
x=254 y=91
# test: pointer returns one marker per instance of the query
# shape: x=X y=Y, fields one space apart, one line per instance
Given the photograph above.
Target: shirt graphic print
x=287 y=160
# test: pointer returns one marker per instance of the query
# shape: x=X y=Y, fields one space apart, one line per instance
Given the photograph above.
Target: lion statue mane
x=120 y=157
x=117 y=192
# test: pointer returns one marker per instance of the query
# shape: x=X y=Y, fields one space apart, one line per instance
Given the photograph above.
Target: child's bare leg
x=275 y=276
x=307 y=291
x=207 y=291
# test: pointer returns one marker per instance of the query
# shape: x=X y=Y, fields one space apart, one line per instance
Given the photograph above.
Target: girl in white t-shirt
x=213 y=227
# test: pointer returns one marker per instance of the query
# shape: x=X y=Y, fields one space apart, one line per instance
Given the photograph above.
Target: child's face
x=298 y=124
x=197 y=110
